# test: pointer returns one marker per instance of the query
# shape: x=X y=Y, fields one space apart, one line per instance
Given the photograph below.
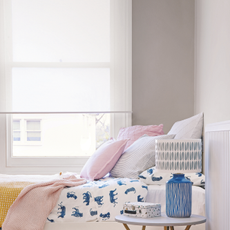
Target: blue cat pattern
x=120 y=182
x=140 y=199
x=76 y=213
x=142 y=177
x=132 y=189
x=112 y=194
x=146 y=187
x=134 y=181
x=105 y=216
x=99 y=200
x=157 y=178
x=71 y=195
x=93 y=213
x=87 y=186
x=63 y=210
x=150 y=171
x=50 y=220
x=86 y=197
x=103 y=186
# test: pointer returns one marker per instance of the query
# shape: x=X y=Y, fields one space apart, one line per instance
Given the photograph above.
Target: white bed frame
x=217 y=171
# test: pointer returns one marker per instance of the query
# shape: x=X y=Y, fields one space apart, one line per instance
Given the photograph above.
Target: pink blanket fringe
x=35 y=202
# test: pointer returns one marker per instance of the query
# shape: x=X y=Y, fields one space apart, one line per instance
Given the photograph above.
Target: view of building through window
x=55 y=135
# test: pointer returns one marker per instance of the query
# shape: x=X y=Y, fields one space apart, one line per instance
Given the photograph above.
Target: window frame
x=120 y=10
x=31 y=130
x=17 y=130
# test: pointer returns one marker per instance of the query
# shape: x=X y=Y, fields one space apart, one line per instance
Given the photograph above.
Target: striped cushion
x=138 y=157
x=136 y=131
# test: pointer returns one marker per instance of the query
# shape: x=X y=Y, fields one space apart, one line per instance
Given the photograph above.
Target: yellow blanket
x=9 y=191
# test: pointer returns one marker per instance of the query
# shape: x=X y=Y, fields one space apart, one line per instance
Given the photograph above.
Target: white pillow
x=137 y=157
x=151 y=176
x=190 y=128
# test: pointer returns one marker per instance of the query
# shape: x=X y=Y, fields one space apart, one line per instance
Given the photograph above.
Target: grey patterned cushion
x=138 y=157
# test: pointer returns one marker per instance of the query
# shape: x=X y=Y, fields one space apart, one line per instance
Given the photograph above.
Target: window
x=33 y=130
x=65 y=79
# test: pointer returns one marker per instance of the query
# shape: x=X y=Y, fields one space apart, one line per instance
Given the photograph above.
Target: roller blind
x=64 y=56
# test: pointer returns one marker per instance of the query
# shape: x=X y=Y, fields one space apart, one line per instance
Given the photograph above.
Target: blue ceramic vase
x=178 y=197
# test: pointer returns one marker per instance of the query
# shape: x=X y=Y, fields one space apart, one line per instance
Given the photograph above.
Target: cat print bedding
x=94 y=201
x=98 y=200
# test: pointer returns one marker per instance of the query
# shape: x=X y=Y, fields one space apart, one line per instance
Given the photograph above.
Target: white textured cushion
x=138 y=157
x=188 y=128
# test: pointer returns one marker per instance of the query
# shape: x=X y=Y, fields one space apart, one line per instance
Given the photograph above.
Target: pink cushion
x=103 y=160
x=134 y=132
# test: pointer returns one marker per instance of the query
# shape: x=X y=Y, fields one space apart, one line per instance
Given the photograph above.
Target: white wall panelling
x=217 y=172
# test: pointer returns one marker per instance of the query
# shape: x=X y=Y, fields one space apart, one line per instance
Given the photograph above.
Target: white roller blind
x=65 y=56
x=61 y=30
x=60 y=89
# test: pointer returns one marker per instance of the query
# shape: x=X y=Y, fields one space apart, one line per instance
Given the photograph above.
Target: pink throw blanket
x=35 y=202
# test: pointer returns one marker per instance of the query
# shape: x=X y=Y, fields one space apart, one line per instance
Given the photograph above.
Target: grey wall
x=212 y=74
x=163 y=61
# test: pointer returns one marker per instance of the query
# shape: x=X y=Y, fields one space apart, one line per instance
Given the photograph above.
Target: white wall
x=212 y=72
x=163 y=61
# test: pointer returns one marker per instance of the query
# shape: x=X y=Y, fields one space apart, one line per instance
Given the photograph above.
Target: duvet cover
x=98 y=200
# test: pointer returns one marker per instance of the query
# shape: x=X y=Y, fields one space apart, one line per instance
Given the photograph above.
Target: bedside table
x=163 y=220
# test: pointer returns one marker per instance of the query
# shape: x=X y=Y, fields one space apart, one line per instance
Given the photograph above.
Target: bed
x=155 y=194
x=129 y=162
